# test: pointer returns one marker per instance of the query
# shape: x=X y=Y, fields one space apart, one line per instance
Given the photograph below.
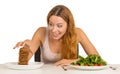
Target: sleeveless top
x=47 y=56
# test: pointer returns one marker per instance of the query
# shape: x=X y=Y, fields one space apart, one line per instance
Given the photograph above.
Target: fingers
x=65 y=62
x=25 y=43
x=58 y=63
x=62 y=62
x=19 y=44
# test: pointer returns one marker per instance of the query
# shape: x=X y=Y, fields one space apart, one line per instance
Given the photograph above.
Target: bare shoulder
x=40 y=33
x=77 y=29
x=41 y=29
x=79 y=33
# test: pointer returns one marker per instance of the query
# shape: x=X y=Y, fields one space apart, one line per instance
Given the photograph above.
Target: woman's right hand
x=26 y=42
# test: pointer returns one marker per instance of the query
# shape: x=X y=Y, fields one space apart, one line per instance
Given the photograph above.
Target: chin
x=56 y=38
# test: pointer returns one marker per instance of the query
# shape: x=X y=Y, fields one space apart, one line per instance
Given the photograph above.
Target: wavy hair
x=69 y=42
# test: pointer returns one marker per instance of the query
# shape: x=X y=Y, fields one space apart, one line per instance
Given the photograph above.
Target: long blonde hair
x=69 y=42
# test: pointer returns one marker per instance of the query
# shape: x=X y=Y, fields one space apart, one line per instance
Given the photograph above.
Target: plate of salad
x=91 y=62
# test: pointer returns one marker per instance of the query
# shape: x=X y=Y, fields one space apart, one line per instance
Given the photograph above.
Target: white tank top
x=47 y=56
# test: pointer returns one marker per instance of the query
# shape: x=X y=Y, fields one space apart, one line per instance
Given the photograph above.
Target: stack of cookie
x=23 y=56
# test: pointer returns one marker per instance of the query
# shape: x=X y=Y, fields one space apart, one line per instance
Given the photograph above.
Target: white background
x=100 y=20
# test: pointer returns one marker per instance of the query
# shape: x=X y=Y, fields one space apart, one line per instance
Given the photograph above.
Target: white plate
x=89 y=67
x=31 y=65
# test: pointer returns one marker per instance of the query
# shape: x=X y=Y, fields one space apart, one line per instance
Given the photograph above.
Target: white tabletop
x=50 y=69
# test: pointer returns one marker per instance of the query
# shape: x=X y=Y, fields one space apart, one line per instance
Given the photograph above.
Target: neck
x=55 y=40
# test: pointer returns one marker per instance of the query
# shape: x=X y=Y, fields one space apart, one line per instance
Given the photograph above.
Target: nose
x=54 y=29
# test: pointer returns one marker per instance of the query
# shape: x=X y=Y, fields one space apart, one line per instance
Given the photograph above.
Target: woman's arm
x=36 y=40
x=85 y=42
x=34 y=43
x=65 y=62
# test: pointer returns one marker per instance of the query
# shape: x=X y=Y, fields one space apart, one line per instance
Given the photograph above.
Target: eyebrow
x=59 y=23
x=52 y=22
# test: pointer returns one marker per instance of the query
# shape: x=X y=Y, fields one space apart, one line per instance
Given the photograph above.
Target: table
x=50 y=69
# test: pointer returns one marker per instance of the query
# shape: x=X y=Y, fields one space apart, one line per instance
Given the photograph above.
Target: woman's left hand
x=65 y=62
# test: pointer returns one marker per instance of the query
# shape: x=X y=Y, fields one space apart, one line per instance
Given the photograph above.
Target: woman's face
x=57 y=27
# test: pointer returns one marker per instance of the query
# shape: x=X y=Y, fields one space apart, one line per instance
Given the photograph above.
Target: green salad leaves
x=90 y=60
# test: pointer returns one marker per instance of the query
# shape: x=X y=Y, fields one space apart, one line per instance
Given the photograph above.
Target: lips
x=55 y=34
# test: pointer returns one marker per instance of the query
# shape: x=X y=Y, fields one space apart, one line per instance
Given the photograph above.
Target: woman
x=60 y=39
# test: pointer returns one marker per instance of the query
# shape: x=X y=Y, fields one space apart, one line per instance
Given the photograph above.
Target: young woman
x=60 y=39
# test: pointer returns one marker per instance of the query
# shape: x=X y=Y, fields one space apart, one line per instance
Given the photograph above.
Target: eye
x=50 y=24
x=59 y=25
